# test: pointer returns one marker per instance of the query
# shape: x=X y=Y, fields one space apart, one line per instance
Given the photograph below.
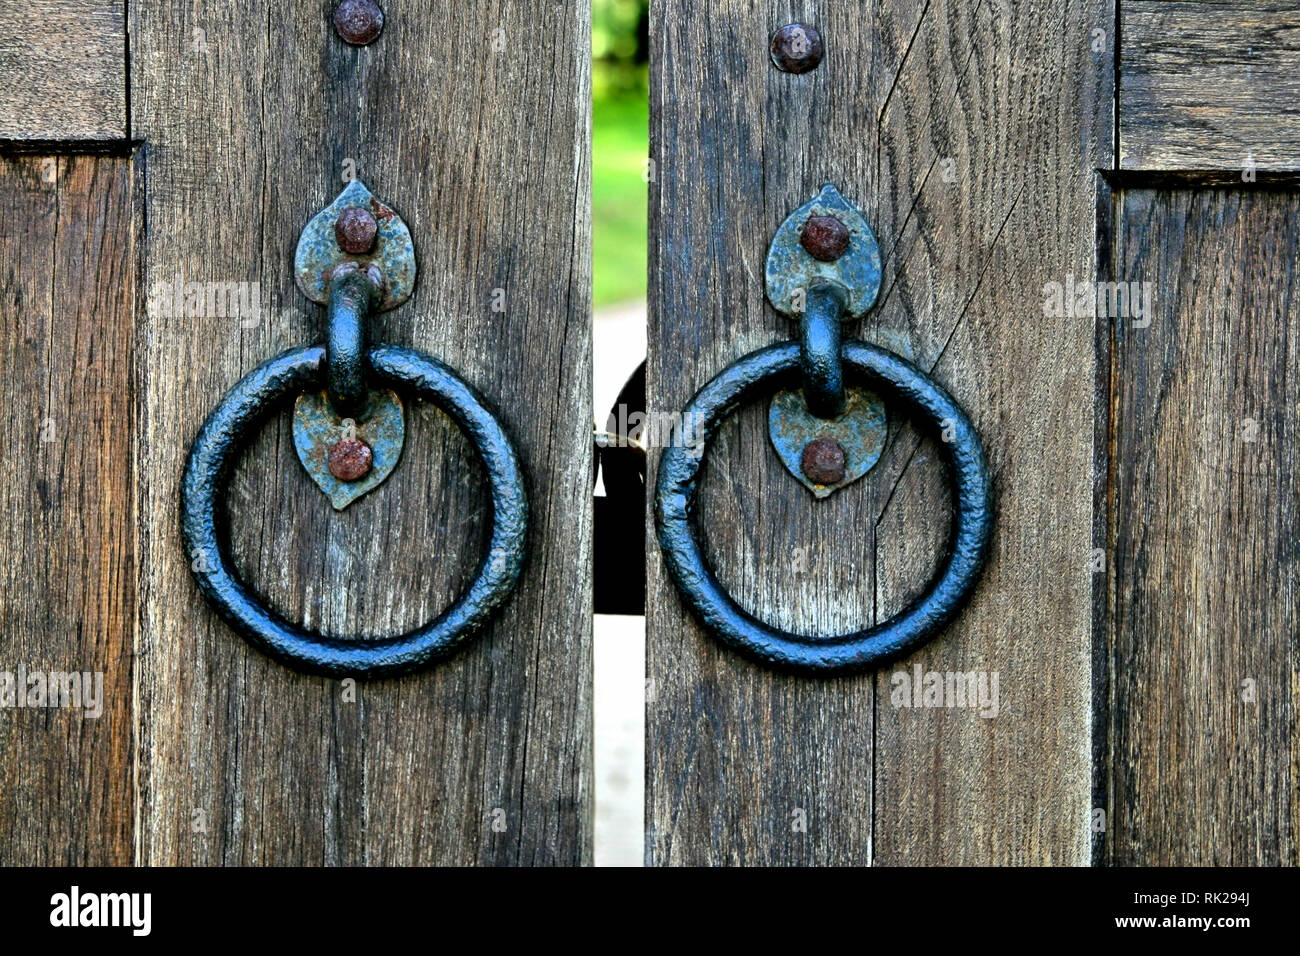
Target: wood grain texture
x=1210 y=85
x=1024 y=121
x=67 y=544
x=484 y=153
x=62 y=70
x=1203 y=663
x=968 y=133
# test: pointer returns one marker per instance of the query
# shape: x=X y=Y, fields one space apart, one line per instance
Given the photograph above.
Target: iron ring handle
x=679 y=468
x=212 y=456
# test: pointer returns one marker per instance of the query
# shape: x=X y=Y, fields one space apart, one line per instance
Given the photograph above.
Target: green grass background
x=619 y=146
x=620 y=143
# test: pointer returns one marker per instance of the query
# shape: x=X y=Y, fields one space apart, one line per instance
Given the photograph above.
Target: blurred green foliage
x=620 y=144
x=618 y=46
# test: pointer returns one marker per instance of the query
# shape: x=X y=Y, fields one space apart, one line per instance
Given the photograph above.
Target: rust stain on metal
x=827 y=454
x=322 y=253
x=350 y=459
x=355 y=230
x=797 y=48
x=792 y=270
x=323 y=440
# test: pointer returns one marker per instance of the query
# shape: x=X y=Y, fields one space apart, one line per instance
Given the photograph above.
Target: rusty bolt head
x=356 y=229
x=350 y=459
x=823 y=461
x=796 y=48
x=358 y=21
x=825 y=238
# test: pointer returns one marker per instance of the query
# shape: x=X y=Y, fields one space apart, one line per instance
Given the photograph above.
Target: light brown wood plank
x=67 y=543
x=1203 y=621
x=1210 y=85
x=970 y=146
x=987 y=151
x=484 y=154
x=63 y=70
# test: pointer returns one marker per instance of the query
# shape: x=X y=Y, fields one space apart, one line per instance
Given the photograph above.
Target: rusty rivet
x=358 y=21
x=356 y=229
x=350 y=459
x=823 y=461
x=825 y=238
x=796 y=48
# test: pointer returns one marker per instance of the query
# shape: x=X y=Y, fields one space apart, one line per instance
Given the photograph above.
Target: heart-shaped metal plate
x=859 y=430
x=790 y=271
x=319 y=254
x=317 y=429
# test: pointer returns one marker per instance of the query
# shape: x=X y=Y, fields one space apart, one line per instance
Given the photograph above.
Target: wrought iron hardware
x=618 y=546
x=828 y=434
x=823 y=269
x=356 y=257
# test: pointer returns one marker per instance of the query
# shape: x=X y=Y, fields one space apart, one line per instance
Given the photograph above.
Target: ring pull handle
x=823 y=267
x=349 y=431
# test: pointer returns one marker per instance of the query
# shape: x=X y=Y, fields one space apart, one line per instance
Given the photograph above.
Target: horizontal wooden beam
x=1210 y=85
x=63 y=70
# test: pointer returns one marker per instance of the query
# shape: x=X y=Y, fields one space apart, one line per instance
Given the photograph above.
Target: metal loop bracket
x=353 y=294
x=819 y=354
x=679 y=468
x=228 y=428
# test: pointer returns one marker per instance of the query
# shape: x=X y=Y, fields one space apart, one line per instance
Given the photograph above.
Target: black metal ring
x=679 y=468
x=213 y=453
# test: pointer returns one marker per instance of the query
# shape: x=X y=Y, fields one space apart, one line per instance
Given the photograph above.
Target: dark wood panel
x=67 y=542
x=484 y=153
x=1203 y=617
x=1210 y=85
x=738 y=757
x=63 y=69
x=970 y=143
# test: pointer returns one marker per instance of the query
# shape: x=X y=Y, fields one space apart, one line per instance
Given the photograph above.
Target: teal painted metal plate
x=318 y=249
x=317 y=428
x=860 y=430
x=791 y=271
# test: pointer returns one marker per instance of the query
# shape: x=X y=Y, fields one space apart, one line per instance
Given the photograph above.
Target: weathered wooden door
x=1136 y=624
x=1087 y=217
x=155 y=145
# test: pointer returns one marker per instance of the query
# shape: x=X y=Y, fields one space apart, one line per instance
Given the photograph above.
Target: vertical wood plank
x=1204 y=521
x=970 y=146
x=746 y=766
x=67 y=544
x=475 y=130
x=997 y=119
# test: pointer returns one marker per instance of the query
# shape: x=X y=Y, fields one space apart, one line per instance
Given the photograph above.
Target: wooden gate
x=1087 y=215
x=228 y=127
x=1139 y=607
